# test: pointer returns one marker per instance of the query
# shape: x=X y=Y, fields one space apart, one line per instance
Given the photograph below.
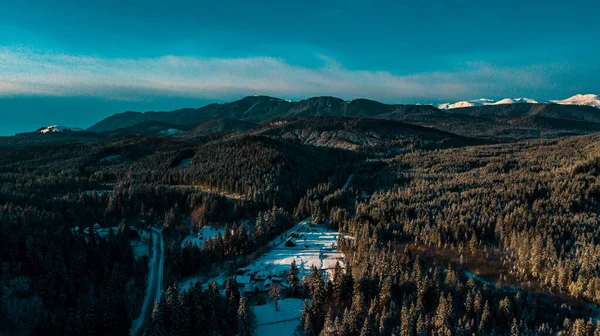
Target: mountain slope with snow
x=58 y=129
x=515 y=101
x=484 y=102
x=592 y=100
x=581 y=99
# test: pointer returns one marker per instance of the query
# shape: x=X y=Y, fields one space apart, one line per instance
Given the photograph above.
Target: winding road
x=155 y=275
x=154 y=288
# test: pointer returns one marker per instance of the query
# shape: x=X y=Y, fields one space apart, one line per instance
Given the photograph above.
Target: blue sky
x=75 y=62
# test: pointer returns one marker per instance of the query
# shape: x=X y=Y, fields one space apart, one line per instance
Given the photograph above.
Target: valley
x=305 y=217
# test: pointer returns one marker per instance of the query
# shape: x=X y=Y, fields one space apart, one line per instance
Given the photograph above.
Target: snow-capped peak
x=581 y=99
x=515 y=101
x=485 y=101
x=58 y=129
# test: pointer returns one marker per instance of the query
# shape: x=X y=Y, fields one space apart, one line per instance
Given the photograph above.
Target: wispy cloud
x=26 y=72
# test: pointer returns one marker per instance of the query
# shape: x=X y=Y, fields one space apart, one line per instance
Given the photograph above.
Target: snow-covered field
x=271 y=322
x=315 y=246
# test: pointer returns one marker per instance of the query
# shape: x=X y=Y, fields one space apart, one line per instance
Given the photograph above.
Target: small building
x=249 y=289
x=242 y=279
x=262 y=275
x=264 y=286
x=290 y=243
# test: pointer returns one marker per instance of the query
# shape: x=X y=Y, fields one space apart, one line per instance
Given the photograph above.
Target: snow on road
x=348 y=182
x=154 y=287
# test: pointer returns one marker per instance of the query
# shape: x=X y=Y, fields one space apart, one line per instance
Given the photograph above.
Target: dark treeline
x=392 y=292
x=524 y=216
x=490 y=240
x=202 y=312
x=59 y=282
x=93 y=285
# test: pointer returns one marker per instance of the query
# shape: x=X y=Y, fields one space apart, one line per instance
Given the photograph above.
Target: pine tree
x=246 y=319
x=329 y=329
x=293 y=277
x=485 y=318
x=347 y=286
x=156 y=325
x=443 y=315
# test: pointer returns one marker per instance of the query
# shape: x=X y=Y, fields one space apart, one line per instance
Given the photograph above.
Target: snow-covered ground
x=578 y=99
x=154 y=287
x=170 y=131
x=58 y=129
x=271 y=322
x=103 y=232
x=186 y=283
x=140 y=248
x=581 y=99
x=315 y=246
x=207 y=232
x=485 y=101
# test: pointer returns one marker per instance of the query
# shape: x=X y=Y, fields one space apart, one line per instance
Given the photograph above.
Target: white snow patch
x=315 y=246
x=286 y=328
x=485 y=101
x=515 y=101
x=186 y=283
x=581 y=99
x=58 y=129
x=170 y=131
x=206 y=232
x=271 y=322
x=104 y=232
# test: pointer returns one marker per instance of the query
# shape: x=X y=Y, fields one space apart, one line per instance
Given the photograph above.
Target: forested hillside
x=439 y=234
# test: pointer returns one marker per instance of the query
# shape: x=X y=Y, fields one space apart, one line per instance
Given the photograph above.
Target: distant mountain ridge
x=257 y=109
x=580 y=99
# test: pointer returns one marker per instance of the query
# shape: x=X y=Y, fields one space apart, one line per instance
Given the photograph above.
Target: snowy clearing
x=286 y=328
x=271 y=322
x=315 y=245
x=207 y=232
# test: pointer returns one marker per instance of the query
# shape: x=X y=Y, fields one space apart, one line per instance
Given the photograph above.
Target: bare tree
x=274 y=293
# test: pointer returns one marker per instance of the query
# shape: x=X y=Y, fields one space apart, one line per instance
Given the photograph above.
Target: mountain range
x=354 y=125
x=258 y=109
x=580 y=99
